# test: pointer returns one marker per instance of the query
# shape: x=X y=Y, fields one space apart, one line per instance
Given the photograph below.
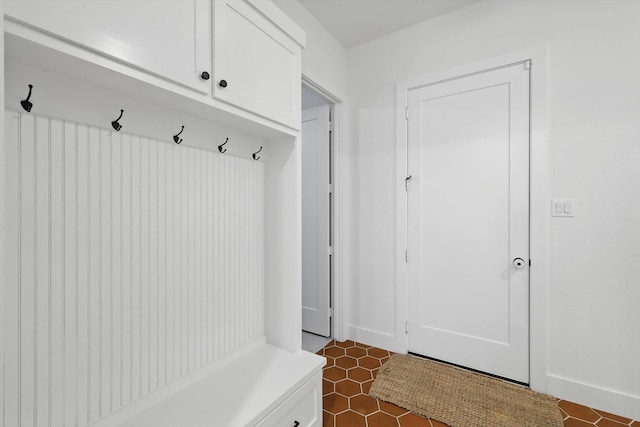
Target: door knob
x=518 y=262
x=223 y=83
x=205 y=75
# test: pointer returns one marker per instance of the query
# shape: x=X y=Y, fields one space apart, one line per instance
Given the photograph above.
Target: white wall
x=324 y=59
x=324 y=62
x=593 y=135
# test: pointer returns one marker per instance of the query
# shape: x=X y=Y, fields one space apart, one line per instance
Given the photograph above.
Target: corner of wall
x=324 y=60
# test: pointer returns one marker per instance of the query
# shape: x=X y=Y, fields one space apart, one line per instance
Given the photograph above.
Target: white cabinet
x=256 y=64
x=302 y=409
x=156 y=51
x=246 y=54
x=170 y=39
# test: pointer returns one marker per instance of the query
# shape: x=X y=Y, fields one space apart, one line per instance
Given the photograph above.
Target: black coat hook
x=117 y=126
x=176 y=137
x=254 y=155
x=26 y=104
x=223 y=150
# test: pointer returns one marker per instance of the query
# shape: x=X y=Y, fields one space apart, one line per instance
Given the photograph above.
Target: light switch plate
x=563 y=207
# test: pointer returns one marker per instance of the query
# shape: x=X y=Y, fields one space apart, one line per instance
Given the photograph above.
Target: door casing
x=316 y=219
x=539 y=195
x=337 y=225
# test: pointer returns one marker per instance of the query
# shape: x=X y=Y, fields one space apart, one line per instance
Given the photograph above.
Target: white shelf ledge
x=237 y=393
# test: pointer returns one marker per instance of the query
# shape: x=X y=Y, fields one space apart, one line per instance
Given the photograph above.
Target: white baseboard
x=612 y=401
x=376 y=338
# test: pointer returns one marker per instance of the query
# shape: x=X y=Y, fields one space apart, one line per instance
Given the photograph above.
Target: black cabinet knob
x=205 y=75
x=223 y=83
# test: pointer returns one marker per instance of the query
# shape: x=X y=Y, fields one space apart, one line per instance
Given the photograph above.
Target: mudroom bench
x=260 y=386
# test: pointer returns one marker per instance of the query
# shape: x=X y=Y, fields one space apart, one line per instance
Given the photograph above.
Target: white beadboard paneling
x=82 y=300
x=56 y=255
x=161 y=378
x=116 y=327
x=127 y=271
x=144 y=306
x=42 y=268
x=70 y=272
x=137 y=262
x=27 y=277
x=94 y=297
x=12 y=354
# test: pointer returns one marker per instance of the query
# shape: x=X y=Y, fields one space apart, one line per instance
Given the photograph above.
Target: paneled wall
x=134 y=262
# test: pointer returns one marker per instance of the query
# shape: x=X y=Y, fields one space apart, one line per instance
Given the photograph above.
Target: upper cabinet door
x=256 y=64
x=170 y=39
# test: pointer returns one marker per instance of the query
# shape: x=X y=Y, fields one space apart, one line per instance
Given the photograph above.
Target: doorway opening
x=318 y=204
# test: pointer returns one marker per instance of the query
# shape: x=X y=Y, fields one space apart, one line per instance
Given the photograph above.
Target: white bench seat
x=237 y=394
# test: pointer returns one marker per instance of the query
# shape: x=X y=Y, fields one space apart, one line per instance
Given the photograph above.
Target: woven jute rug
x=461 y=398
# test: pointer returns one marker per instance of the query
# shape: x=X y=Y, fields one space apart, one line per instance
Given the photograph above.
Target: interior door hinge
x=330 y=311
x=330 y=126
x=406 y=327
x=330 y=188
x=406 y=113
x=330 y=250
x=406 y=255
x=406 y=182
x=527 y=64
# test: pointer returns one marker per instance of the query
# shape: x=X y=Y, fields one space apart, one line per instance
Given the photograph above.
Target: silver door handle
x=518 y=263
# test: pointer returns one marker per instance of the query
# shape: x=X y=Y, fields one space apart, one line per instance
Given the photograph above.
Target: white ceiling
x=356 y=21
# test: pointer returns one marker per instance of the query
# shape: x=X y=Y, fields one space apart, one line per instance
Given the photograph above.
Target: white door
x=468 y=221
x=315 y=221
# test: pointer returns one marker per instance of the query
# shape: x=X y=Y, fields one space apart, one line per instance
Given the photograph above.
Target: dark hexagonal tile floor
x=351 y=368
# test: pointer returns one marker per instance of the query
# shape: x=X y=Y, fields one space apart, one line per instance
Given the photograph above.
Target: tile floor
x=351 y=368
x=313 y=343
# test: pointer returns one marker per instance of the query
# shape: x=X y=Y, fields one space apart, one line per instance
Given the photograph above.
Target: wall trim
x=380 y=339
x=539 y=195
x=612 y=401
x=337 y=160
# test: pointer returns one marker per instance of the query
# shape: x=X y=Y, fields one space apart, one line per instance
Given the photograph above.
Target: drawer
x=302 y=409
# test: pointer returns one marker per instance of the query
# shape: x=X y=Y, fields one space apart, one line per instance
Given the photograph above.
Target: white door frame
x=337 y=211
x=539 y=196
x=316 y=218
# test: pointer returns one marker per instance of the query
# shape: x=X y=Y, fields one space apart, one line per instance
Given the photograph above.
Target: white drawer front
x=302 y=409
